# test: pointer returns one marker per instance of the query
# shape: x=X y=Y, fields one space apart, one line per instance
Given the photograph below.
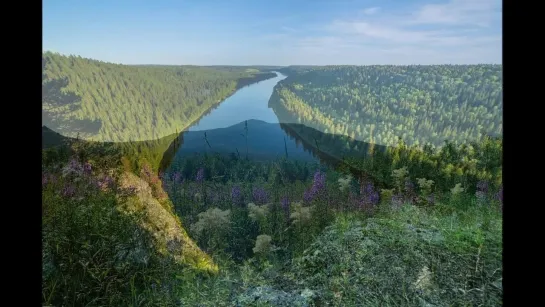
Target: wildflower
x=263 y=245
x=308 y=196
x=44 y=180
x=200 y=175
x=257 y=213
x=457 y=189
x=319 y=181
x=236 y=196
x=72 y=168
x=369 y=197
x=211 y=219
x=318 y=187
x=301 y=214
x=260 y=195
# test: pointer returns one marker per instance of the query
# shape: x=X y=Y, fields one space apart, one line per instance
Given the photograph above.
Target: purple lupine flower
x=200 y=175
x=236 y=195
x=374 y=198
x=318 y=186
x=319 y=181
x=286 y=205
x=69 y=191
x=73 y=167
x=260 y=195
x=369 y=197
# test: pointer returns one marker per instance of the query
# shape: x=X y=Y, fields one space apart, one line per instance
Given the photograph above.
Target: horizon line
x=256 y=65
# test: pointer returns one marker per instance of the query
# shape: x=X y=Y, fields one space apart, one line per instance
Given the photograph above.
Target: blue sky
x=280 y=32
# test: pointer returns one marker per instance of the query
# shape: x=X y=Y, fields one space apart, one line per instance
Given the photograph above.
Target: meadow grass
x=224 y=231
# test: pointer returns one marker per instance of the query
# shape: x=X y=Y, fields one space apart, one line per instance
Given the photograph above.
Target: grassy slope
x=409 y=256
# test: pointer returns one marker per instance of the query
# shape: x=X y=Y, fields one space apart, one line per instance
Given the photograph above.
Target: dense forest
x=110 y=102
x=379 y=104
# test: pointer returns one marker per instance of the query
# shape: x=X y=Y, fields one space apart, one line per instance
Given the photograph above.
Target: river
x=244 y=124
x=225 y=128
x=247 y=103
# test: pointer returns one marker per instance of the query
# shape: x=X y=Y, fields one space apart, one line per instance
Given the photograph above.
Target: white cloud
x=456 y=32
x=459 y=12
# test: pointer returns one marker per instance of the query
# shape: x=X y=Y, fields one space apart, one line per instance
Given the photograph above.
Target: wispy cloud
x=288 y=29
x=458 y=31
x=371 y=10
x=459 y=12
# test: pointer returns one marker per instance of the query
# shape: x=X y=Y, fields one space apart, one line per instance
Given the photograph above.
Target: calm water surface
x=224 y=127
x=247 y=103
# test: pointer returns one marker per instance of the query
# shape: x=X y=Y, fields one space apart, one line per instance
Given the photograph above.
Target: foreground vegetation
x=111 y=102
x=276 y=233
x=378 y=104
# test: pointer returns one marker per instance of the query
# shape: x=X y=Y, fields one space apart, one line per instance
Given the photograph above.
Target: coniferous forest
x=422 y=104
x=111 y=102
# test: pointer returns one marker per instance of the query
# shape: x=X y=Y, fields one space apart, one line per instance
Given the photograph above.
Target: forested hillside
x=112 y=102
x=379 y=104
